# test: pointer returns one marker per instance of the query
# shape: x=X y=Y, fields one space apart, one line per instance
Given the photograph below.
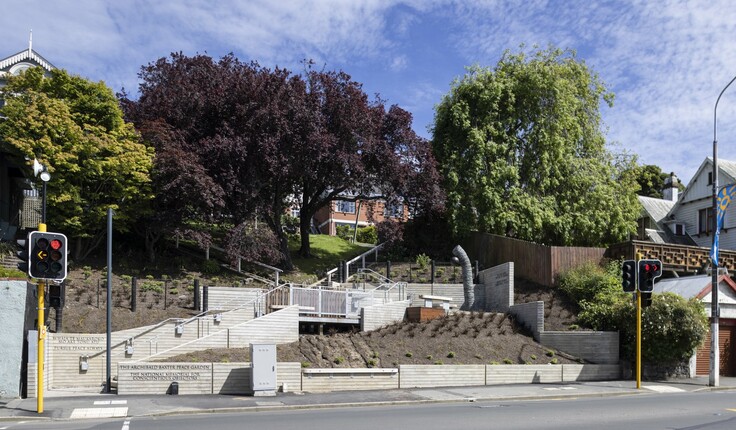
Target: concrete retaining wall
x=326 y=380
x=377 y=316
x=591 y=372
x=14 y=297
x=498 y=283
x=422 y=376
x=599 y=347
x=235 y=378
x=198 y=378
x=230 y=297
x=531 y=316
x=523 y=374
x=277 y=327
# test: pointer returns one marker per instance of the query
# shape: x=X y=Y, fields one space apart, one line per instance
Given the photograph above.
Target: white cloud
x=665 y=60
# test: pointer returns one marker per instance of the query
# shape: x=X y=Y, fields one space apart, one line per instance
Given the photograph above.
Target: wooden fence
x=538 y=263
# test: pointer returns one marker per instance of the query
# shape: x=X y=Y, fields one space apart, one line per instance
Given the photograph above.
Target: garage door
x=726 y=345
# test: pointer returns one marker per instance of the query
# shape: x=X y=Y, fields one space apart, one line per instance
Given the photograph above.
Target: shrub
x=671 y=328
x=507 y=361
x=409 y=354
x=583 y=283
x=367 y=234
x=423 y=261
x=451 y=354
x=338 y=360
x=209 y=267
x=345 y=232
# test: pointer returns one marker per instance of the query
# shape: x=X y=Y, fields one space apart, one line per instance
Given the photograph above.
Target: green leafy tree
x=75 y=127
x=651 y=179
x=522 y=153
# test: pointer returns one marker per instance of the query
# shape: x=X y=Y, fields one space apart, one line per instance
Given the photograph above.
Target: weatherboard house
x=678 y=230
x=19 y=203
x=687 y=219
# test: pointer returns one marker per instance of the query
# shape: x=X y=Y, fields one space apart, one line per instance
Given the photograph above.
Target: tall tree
x=357 y=149
x=522 y=153
x=263 y=136
x=76 y=128
x=651 y=179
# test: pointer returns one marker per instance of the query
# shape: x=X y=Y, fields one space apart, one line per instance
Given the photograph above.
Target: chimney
x=670 y=190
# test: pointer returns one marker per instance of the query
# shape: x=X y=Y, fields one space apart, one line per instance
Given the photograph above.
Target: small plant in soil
x=507 y=361
x=451 y=354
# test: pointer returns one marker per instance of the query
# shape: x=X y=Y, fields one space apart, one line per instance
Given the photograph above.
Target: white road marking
x=99 y=413
x=126 y=425
x=664 y=389
x=559 y=388
x=111 y=402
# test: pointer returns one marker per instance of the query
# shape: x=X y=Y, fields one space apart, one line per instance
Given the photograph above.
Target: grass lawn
x=327 y=252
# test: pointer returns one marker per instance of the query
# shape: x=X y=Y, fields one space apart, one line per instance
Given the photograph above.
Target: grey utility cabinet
x=263 y=358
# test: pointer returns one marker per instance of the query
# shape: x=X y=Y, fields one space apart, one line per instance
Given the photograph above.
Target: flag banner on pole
x=725 y=195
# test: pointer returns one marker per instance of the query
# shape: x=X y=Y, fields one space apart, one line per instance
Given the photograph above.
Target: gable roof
x=657 y=209
x=25 y=55
x=692 y=286
x=726 y=176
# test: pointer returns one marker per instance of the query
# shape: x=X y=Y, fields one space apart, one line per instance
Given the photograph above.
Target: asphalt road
x=706 y=411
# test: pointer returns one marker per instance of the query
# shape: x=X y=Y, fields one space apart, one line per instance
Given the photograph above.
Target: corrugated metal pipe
x=468 y=288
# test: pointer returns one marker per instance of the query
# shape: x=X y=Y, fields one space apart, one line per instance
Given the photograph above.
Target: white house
x=689 y=217
x=700 y=287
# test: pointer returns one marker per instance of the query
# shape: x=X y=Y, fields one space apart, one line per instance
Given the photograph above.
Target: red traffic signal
x=47 y=253
x=649 y=270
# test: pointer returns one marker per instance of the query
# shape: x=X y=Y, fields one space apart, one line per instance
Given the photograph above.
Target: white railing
x=356 y=263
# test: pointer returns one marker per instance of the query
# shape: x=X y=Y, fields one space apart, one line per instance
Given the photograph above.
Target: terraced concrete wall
x=523 y=374
x=423 y=376
x=326 y=380
x=377 y=316
x=599 y=347
x=498 y=283
x=234 y=378
x=530 y=315
x=277 y=327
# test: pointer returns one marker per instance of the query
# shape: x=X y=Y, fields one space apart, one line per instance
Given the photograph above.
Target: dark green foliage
x=671 y=328
x=367 y=234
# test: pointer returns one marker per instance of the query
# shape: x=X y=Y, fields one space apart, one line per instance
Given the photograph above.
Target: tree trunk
x=284 y=245
x=304 y=224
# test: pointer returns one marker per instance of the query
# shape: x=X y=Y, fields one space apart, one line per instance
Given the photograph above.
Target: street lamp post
x=713 y=379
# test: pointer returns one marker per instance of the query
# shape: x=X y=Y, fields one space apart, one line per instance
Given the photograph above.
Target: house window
x=705 y=221
x=295 y=212
x=393 y=210
x=710 y=178
x=679 y=229
x=345 y=206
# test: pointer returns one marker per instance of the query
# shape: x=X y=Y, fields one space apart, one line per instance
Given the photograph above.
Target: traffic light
x=628 y=276
x=47 y=255
x=649 y=270
x=646 y=300
x=23 y=255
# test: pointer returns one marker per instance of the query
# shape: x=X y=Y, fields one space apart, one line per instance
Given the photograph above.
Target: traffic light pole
x=41 y=293
x=638 y=339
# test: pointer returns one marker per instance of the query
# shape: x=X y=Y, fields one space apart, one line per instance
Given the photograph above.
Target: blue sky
x=665 y=60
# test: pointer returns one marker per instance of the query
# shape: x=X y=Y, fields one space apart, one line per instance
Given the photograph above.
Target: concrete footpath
x=61 y=404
